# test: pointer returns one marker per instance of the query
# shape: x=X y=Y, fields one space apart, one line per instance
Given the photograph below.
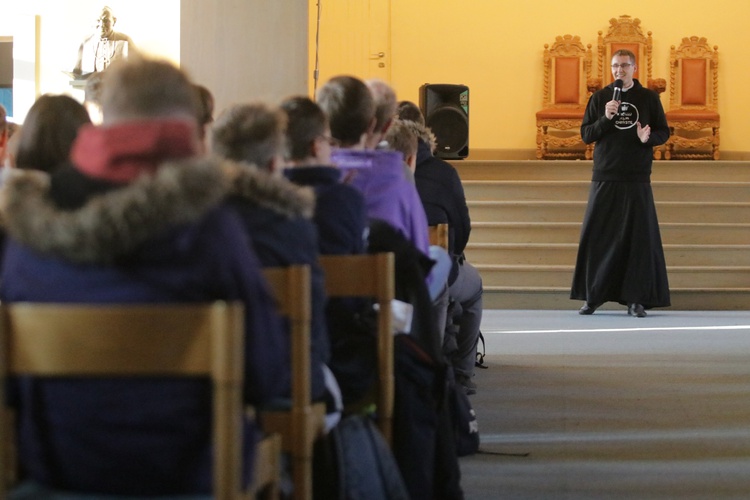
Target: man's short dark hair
x=306 y=121
x=350 y=108
x=626 y=52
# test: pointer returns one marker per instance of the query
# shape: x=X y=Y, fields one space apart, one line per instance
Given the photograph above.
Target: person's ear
x=313 y=150
x=371 y=127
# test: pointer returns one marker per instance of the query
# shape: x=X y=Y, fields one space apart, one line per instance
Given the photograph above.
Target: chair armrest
x=658 y=85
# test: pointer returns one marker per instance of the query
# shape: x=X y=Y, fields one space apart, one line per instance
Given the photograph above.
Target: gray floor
x=612 y=406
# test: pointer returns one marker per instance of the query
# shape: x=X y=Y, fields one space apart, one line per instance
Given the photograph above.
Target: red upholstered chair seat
x=684 y=115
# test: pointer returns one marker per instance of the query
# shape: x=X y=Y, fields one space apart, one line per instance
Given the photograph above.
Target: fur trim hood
x=422 y=132
x=272 y=192
x=114 y=224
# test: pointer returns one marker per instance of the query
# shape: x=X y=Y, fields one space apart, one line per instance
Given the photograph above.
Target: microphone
x=617 y=91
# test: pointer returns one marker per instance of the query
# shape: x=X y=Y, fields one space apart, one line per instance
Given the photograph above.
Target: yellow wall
x=495 y=47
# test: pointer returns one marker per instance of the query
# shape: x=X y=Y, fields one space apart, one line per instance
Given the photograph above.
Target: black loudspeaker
x=446 y=111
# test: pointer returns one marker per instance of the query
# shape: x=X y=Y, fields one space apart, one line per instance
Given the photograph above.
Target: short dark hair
x=306 y=121
x=625 y=52
x=251 y=133
x=350 y=108
x=407 y=110
x=48 y=132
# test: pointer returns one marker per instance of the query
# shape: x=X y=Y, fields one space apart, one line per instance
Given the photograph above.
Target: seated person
x=341 y=221
x=378 y=175
x=50 y=128
x=275 y=212
x=135 y=217
x=442 y=195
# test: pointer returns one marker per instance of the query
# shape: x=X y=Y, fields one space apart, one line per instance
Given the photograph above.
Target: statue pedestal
x=78 y=84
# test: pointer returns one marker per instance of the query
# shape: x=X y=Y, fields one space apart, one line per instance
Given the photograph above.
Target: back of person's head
x=401 y=137
x=140 y=88
x=306 y=122
x=48 y=132
x=407 y=110
x=350 y=108
x=250 y=133
x=3 y=117
x=205 y=105
x=385 y=103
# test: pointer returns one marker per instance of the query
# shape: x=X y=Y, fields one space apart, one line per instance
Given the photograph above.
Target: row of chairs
x=89 y=340
x=569 y=81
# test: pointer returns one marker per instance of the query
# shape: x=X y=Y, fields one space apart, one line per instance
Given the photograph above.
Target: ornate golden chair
x=625 y=33
x=693 y=114
x=567 y=88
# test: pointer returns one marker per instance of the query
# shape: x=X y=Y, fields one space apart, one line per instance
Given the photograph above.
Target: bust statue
x=101 y=48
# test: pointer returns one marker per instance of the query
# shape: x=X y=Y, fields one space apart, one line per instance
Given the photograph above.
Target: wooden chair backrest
x=439 y=236
x=103 y=340
x=567 y=71
x=303 y=423
x=694 y=75
x=370 y=275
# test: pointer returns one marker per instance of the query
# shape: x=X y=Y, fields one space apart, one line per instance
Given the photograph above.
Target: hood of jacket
x=114 y=224
x=275 y=193
x=423 y=133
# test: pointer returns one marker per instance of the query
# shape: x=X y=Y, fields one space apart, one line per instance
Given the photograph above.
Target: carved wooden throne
x=625 y=33
x=693 y=114
x=567 y=87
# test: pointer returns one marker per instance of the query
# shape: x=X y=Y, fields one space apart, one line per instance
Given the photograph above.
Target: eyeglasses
x=623 y=66
x=332 y=141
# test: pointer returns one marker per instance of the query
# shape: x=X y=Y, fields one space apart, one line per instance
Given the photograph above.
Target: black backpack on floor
x=353 y=462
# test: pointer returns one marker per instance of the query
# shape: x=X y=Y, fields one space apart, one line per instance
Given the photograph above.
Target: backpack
x=353 y=461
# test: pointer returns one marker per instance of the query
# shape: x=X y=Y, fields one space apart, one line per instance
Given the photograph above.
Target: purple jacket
x=379 y=176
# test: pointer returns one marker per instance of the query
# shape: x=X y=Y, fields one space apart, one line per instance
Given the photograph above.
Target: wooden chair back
x=439 y=235
x=102 y=340
x=693 y=114
x=625 y=32
x=303 y=423
x=370 y=275
x=567 y=85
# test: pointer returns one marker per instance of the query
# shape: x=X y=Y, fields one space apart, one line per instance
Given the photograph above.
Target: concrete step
x=734 y=277
x=683 y=299
x=549 y=254
x=573 y=211
x=704 y=171
x=508 y=190
x=569 y=232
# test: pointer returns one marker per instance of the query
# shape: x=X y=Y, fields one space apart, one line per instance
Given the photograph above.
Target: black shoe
x=636 y=310
x=588 y=309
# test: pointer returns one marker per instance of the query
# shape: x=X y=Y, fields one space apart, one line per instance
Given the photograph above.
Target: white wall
x=154 y=26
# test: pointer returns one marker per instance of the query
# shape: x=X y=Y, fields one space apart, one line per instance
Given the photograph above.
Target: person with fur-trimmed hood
x=136 y=217
x=277 y=214
x=442 y=195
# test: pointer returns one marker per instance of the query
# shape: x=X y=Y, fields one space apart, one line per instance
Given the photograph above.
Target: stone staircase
x=526 y=219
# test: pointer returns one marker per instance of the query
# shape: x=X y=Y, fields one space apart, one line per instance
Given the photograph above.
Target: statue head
x=106 y=22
